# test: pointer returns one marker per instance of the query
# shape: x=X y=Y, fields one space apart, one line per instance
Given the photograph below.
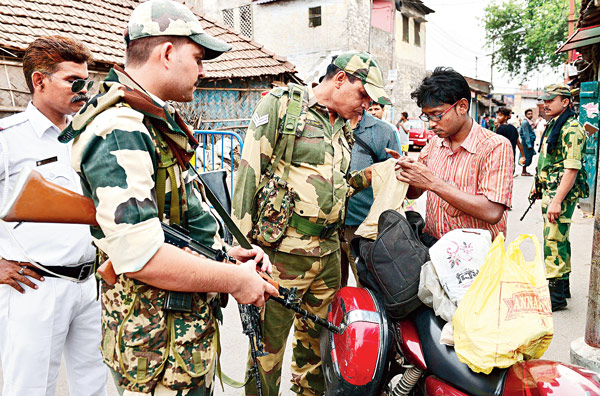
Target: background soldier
x=132 y=150
x=45 y=313
x=561 y=181
x=311 y=179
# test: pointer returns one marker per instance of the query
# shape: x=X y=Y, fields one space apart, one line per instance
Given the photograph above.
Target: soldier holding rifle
x=560 y=181
x=132 y=151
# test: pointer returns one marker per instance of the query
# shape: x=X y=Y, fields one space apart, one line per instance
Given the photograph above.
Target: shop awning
x=581 y=38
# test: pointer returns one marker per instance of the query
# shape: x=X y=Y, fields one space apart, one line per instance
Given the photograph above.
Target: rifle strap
x=231 y=226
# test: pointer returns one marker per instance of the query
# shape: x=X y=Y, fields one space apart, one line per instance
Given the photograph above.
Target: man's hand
x=416 y=174
x=522 y=161
x=553 y=211
x=251 y=288
x=12 y=272
x=256 y=254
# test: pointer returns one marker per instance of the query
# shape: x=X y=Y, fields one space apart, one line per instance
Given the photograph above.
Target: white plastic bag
x=457 y=257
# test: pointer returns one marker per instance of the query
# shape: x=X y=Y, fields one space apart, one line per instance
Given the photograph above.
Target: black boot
x=567 y=288
x=557 y=294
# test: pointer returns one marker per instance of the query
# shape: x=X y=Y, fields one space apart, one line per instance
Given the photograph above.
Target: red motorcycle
x=371 y=352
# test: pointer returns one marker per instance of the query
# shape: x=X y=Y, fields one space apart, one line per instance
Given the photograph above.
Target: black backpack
x=391 y=264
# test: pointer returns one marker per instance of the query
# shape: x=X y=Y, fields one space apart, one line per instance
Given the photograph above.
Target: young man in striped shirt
x=465 y=169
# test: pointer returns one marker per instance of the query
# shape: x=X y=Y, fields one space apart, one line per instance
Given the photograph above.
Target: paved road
x=568 y=324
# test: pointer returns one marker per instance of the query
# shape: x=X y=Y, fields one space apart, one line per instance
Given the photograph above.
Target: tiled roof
x=100 y=25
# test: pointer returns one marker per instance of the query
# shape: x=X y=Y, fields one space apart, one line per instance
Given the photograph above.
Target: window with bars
x=405 y=28
x=314 y=16
x=246 y=20
x=417 y=34
x=228 y=19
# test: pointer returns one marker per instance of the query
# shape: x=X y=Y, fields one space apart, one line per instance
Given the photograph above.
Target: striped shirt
x=482 y=165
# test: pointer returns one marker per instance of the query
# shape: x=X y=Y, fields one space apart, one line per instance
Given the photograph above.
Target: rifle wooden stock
x=35 y=199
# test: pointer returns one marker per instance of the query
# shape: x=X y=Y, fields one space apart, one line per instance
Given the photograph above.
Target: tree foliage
x=545 y=24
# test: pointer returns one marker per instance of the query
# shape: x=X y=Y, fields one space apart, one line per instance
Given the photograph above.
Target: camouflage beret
x=366 y=68
x=553 y=90
x=170 y=18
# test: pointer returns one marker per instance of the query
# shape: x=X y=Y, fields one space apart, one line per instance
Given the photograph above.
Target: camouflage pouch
x=275 y=205
x=144 y=343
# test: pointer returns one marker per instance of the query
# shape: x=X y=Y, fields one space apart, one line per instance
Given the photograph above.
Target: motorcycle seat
x=443 y=363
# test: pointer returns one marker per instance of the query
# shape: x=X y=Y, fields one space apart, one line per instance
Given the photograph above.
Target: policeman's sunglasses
x=77 y=85
x=438 y=117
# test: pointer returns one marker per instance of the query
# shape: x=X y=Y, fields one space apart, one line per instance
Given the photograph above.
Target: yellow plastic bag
x=506 y=315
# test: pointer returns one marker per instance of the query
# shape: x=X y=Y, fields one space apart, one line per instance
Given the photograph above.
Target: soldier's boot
x=557 y=294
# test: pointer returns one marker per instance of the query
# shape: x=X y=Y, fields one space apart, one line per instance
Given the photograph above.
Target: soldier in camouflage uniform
x=131 y=150
x=317 y=178
x=560 y=181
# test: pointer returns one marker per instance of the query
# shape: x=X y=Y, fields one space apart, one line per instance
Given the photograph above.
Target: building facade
x=308 y=33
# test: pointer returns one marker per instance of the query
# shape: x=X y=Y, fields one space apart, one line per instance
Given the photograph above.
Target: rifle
x=531 y=202
x=35 y=199
x=534 y=195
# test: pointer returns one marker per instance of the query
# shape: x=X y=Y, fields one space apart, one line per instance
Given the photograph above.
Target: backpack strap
x=369 y=150
x=284 y=147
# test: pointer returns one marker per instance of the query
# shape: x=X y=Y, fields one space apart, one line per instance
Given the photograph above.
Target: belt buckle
x=328 y=231
x=85 y=270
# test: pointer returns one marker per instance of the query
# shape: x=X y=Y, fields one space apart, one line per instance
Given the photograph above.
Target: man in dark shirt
x=508 y=131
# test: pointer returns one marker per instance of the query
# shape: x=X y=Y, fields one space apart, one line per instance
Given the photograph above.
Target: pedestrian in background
x=527 y=133
x=315 y=174
x=47 y=288
x=503 y=128
x=560 y=182
x=403 y=132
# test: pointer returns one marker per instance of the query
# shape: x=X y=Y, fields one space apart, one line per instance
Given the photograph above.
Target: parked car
x=418 y=133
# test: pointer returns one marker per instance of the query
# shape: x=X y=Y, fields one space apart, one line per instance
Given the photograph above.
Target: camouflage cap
x=363 y=66
x=170 y=18
x=553 y=90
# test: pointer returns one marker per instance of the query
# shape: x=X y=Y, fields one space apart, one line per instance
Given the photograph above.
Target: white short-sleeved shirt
x=29 y=139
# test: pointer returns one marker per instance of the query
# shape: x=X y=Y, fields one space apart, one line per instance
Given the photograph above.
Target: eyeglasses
x=79 y=84
x=438 y=117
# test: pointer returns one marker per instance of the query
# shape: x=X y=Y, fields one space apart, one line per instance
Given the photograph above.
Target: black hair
x=377 y=104
x=528 y=110
x=332 y=70
x=504 y=111
x=445 y=85
x=405 y=114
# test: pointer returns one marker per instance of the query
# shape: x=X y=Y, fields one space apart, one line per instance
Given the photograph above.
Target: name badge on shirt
x=46 y=161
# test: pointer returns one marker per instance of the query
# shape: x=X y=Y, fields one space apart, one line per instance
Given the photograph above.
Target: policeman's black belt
x=77 y=273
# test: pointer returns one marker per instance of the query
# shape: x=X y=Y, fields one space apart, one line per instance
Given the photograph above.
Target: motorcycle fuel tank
x=353 y=361
x=545 y=377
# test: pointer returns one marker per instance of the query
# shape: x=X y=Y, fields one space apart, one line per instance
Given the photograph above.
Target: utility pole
x=571 y=23
x=492 y=73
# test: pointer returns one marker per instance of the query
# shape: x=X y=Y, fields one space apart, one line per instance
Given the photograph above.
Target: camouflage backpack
x=274 y=198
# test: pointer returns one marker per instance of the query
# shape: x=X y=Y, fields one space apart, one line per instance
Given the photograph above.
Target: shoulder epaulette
x=13 y=120
x=278 y=91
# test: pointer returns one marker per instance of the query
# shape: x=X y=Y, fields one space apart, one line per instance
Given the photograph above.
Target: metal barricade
x=217 y=148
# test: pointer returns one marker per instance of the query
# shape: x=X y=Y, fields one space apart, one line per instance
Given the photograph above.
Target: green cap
x=553 y=90
x=363 y=66
x=170 y=18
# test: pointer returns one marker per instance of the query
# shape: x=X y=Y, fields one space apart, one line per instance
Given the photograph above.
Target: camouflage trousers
x=161 y=390
x=557 y=247
x=317 y=280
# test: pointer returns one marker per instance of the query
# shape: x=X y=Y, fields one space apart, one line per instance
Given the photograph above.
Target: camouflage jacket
x=568 y=154
x=116 y=156
x=319 y=169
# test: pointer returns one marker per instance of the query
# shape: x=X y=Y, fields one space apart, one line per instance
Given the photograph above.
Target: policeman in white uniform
x=48 y=299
